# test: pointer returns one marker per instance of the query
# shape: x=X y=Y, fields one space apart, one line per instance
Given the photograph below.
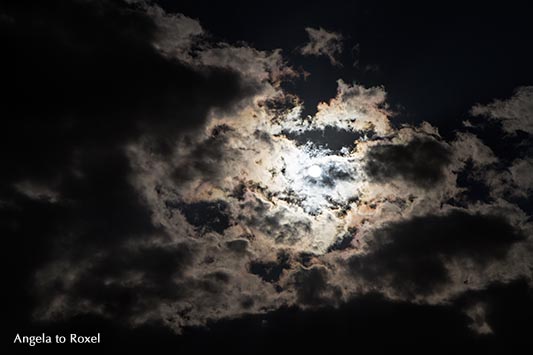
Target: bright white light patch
x=314 y=171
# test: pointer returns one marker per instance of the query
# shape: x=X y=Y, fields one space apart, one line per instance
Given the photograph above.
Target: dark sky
x=155 y=190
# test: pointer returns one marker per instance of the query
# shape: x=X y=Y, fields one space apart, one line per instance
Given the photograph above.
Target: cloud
x=410 y=257
x=122 y=282
x=206 y=215
x=514 y=114
x=83 y=97
x=130 y=91
x=175 y=34
x=271 y=271
x=478 y=315
x=420 y=162
x=323 y=43
x=169 y=171
x=468 y=147
x=312 y=287
x=522 y=175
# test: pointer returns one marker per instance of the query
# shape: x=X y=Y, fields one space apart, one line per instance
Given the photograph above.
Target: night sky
x=271 y=177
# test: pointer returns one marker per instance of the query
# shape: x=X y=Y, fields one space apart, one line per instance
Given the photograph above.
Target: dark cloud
x=86 y=73
x=475 y=189
x=271 y=271
x=84 y=79
x=207 y=216
x=275 y=225
x=411 y=255
x=127 y=281
x=310 y=285
x=239 y=246
x=343 y=243
x=204 y=159
x=420 y=162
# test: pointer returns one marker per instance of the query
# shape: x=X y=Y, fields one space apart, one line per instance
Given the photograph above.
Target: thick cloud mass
x=155 y=175
x=411 y=256
x=420 y=162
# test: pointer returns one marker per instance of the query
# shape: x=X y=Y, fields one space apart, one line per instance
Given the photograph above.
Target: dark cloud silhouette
x=410 y=255
x=105 y=283
x=420 y=162
x=343 y=243
x=271 y=271
x=84 y=79
x=310 y=285
x=86 y=73
x=207 y=216
x=239 y=246
x=204 y=159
